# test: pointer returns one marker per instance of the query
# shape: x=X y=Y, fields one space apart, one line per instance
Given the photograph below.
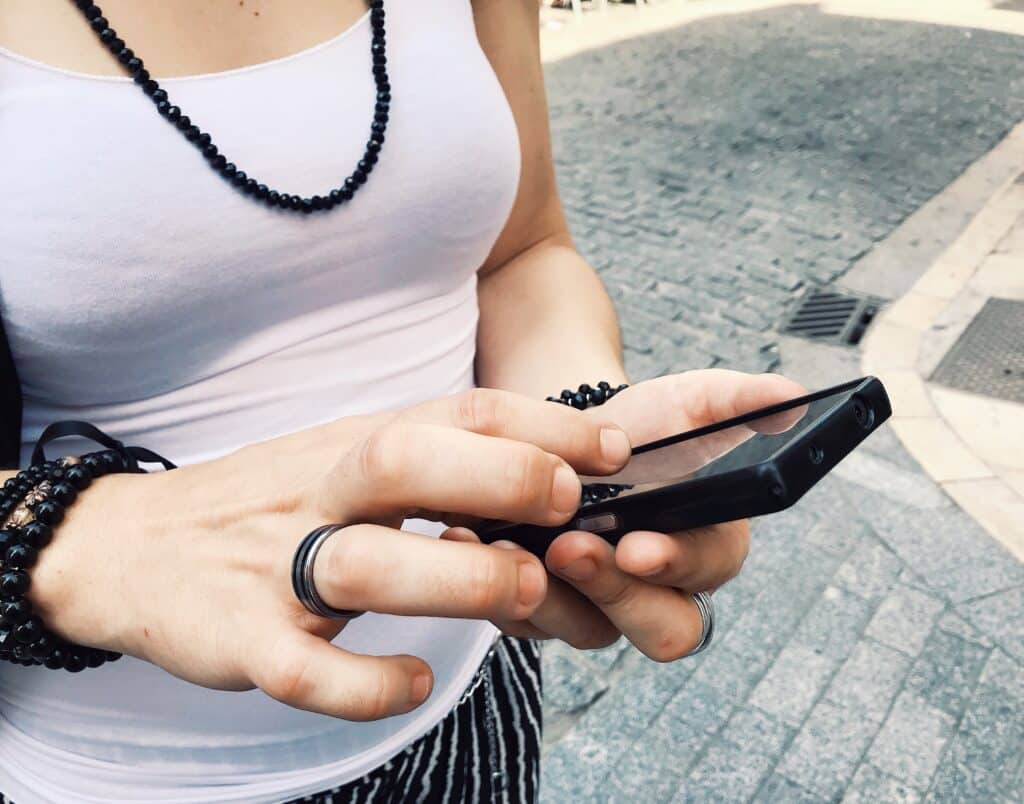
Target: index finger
x=587 y=443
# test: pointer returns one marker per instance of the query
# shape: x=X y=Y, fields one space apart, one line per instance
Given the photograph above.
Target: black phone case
x=764 y=488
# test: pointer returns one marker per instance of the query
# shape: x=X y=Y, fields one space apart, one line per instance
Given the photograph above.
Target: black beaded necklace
x=217 y=161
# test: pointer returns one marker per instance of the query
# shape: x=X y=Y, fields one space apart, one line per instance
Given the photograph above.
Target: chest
x=114 y=229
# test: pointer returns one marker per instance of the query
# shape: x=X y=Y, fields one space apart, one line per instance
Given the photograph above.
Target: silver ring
x=302 y=575
x=707 y=622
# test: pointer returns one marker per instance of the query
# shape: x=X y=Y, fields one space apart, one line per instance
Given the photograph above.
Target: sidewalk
x=964 y=420
x=872 y=650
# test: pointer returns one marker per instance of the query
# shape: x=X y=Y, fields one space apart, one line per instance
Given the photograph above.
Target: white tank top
x=141 y=293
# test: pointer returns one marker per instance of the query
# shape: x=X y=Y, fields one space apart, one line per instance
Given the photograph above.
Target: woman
x=309 y=369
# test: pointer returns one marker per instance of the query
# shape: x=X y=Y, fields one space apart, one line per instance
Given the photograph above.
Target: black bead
x=364 y=166
x=78 y=476
x=384 y=96
x=134 y=64
x=294 y=202
x=183 y=122
x=336 y=197
x=91 y=11
x=75 y=661
x=107 y=35
x=579 y=401
x=377 y=127
x=163 y=107
x=192 y=133
x=7 y=538
x=64 y=493
x=250 y=187
x=307 y=206
x=377 y=48
x=55 y=661
x=604 y=385
x=159 y=95
x=376 y=4
x=373 y=145
x=228 y=170
x=212 y=154
x=239 y=178
x=377 y=15
x=380 y=69
x=203 y=140
x=126 y=56
x=141 y=76
x=21 y=652
x=273 y=197
x=112 y=461
x=150 y=87
x=381 y=117
x=29 y=631
x=43 y=647
x=95 y=657
x=98 y=23
x=49 y=512
x=21 y=556
x=370 y=157
x=116 y=45
x=318 y=202
x=598 y=396
x=37 y=534
x=284 y=201
x=381 y=106
x=359 y=176
x=112 y=656
x=14 y=583
x=585 y=388
x=7 y=642
x=262 y=191
x=14 y=612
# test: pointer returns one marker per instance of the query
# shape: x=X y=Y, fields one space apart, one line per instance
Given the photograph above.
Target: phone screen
x=742 y=441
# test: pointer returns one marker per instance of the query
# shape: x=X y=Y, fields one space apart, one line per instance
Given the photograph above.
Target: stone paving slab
x=871 y=650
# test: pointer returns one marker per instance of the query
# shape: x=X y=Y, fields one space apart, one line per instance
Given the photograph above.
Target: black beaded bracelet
x=32 y=504
x=53 y=486
x=587 y=396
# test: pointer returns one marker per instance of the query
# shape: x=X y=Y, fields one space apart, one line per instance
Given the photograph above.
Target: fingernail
x=650 y=572
x=420 y=689
x=565 y=490
x=532 y=583
x=582 y=569
x=614 y=445
x=505 y=544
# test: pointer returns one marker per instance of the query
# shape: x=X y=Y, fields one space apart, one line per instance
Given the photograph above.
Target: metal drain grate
x=828 y=315
x=988 y=358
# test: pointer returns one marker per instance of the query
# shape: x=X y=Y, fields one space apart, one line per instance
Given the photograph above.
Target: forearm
x=546 y=323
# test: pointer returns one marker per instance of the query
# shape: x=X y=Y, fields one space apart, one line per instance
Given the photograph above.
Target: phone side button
x=598 y=523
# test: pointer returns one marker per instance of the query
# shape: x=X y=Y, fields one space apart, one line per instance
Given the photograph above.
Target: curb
x=907 y=341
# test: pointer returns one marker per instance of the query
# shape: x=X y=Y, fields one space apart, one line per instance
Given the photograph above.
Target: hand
x=642 y=588
x=190 y=569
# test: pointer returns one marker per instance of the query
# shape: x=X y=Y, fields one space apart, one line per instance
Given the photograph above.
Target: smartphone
x=753 y=464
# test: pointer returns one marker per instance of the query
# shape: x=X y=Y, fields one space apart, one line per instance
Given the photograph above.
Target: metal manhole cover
x=832 y=316
x=988 y=358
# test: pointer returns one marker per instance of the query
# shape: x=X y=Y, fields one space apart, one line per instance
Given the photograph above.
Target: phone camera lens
x=816 y=454
x=863 y=413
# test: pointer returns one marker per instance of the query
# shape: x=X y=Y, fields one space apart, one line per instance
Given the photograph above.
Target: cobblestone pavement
x=873 y=648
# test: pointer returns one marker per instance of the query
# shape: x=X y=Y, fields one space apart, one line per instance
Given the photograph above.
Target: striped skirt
x=486 y=750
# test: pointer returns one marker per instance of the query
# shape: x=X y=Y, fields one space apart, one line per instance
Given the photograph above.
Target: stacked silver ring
x=302 y=575
x=707 y=622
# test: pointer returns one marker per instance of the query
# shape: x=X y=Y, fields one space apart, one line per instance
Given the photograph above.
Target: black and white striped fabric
x=486 y=751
